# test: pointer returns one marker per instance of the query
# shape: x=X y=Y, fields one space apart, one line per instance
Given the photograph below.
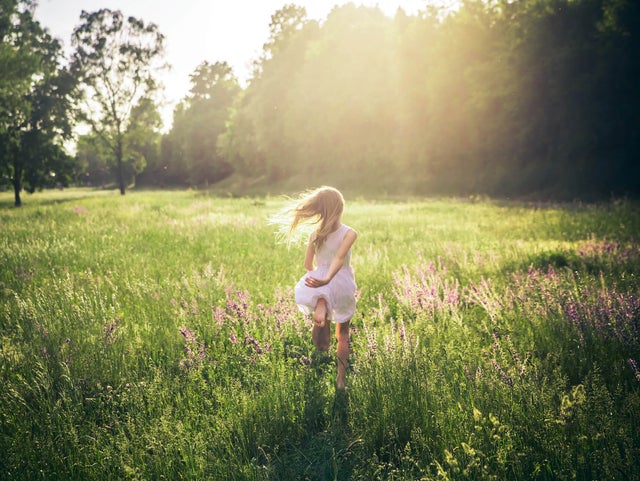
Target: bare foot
x=321 y=330
x=320 y=313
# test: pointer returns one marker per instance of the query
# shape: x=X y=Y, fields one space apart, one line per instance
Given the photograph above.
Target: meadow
x=154 y=336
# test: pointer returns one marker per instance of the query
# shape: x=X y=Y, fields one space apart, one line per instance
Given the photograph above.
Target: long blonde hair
x=322 y=207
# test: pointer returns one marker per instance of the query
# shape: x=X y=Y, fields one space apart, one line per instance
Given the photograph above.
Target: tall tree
x=257 y=137
x=346 y=98
x=92 y=160
x=142 y=148
x=501 y=97
x=117 y=60
x=618 y=112
x=35 y=96
x=143 y=138
x=199 y=121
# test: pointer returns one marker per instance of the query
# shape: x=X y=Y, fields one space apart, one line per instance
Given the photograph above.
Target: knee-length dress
x=340 y=292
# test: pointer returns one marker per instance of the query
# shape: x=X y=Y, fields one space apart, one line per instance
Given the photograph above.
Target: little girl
x=328 y=288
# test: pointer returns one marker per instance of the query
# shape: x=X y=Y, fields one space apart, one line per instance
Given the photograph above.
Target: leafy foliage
x=116 y=62
x=528 y=98
x=501 y=98
x=35 y=103
x=198 y=123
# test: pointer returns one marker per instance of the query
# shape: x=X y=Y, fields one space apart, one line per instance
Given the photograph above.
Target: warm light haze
x=199 y=30
x=430 y=97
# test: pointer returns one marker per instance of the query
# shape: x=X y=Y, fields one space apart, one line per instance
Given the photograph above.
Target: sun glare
x=201 y=30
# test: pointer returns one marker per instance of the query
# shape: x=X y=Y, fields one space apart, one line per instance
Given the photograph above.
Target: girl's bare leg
x=342 y=333
x=321 y=333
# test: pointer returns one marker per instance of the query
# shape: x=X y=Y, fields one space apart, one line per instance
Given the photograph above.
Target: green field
x=154 y=336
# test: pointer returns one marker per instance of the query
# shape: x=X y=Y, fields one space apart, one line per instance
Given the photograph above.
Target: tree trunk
x=120 y=168
x=17 y=174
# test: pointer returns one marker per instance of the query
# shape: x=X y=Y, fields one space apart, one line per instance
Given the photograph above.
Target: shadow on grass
x=340 y=409
x=328 y=452
x=61 y=197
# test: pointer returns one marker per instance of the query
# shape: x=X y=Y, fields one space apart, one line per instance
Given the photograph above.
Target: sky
x=197 y=30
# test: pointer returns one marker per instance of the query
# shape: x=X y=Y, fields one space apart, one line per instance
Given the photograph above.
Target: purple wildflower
x=305 y=361
x=427 y=288
x=218 y=314
x=249 y=340
x=614 y=252
x=80 y=210
x=484 y=295
x=188 y=336
x=237 y=303
x=195 y=310
x=468 y=374
x=503 y=375
x=195 y=351
x=24 y=274
x=372 y=342
x=109 y=331
x=634 y=367
x=403 y=334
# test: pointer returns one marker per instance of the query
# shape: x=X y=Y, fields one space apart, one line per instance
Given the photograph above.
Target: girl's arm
x=337 y=261
x=308 y=257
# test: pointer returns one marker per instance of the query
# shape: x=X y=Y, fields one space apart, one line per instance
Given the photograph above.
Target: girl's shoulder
x=346 y=229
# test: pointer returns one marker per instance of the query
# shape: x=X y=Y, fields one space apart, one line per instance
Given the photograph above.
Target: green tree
x=92 y=158
x=143 y=138
x=142 y=146
x=259 y=136
x=199 y=121
x=531 y=97
x=35 y=101
x=344 y=100
x=618 y=109
x=117 y=60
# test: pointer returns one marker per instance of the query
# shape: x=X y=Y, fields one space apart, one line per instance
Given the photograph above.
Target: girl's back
x=329 y=248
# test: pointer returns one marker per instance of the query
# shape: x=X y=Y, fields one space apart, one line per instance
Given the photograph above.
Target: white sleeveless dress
x=340 y=292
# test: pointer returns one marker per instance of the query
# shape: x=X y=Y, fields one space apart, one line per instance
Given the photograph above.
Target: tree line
x=505 y=98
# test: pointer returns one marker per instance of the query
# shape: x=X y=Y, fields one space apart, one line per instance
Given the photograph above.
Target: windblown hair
x=322 y=207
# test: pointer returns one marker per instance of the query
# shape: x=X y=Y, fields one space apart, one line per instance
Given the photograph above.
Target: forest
x=524 y=98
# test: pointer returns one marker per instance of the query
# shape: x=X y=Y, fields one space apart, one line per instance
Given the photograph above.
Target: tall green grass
x=154 y=336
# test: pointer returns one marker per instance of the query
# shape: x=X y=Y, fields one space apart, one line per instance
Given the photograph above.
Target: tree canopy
x=526 y=98
x=502 y=98
x=116 y=60
x=198 y=122
x=35 y=102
